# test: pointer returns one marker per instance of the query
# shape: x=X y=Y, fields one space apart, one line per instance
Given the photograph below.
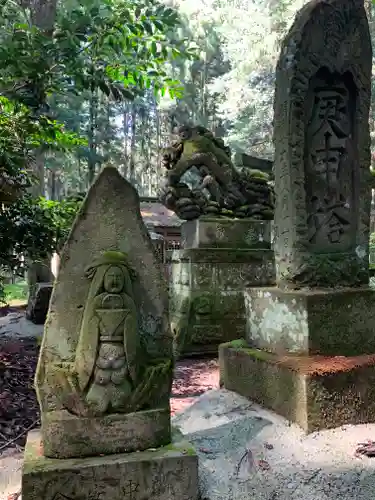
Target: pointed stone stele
x=310 y=342
x=105 y=367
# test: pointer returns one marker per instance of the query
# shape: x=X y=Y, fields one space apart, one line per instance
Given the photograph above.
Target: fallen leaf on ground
x=367 y=449
x=263 y=465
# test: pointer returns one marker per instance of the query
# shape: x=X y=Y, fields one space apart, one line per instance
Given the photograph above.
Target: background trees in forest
x=86 y=82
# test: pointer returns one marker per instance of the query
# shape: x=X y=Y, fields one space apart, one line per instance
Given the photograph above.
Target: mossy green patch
x=243 y=346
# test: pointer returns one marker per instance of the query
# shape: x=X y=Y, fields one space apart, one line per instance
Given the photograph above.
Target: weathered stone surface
x=201 y=320
x=38 y=302
x=107 y=346
x=314 y=392
x=200 y=179
x=326 y=322
x=169 y=473
x=206 y=296
x=108 y=434
x=322 y=147
x=226 y=233
x=214 y=267
x=253 y=162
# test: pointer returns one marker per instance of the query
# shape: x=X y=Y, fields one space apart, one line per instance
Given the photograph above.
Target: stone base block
x=68 y=436
x=226 y=233
x=38 y=303
x=324 y=322
x=314 y=392
x=168 y=473
x=201 y=339
x=202 y=320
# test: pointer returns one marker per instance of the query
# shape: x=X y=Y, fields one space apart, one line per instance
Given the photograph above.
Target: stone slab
x=109 y=220
x=168 y=473
x=68 y=436
x=207 y=232
x=322 y=221
x=314 y=392
x=38 y=303
x=228 y=269
x=203 y=319
x=327 y=322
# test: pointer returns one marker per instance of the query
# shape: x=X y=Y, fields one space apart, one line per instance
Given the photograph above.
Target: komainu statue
x=201 y=180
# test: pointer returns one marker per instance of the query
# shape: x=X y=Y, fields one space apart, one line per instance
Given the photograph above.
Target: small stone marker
x=105 y=368
x=38 y=303
x=317 y=327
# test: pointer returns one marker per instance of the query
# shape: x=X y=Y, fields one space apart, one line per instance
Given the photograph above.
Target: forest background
x=228 y=89
x=208 y=62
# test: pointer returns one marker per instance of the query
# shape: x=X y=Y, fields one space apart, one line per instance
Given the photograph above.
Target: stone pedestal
x=309 y=352
x=68 y=436
x=207 y=282
x=167 y=473
x=325 y=322
x=208 y=232
x=316 y=392
x=308 y=355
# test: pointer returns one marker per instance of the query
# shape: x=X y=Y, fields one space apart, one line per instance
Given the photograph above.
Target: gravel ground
x=246 y=452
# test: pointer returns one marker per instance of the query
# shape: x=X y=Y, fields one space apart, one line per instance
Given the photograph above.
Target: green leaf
x=148 y=27
x=154 y=49
x=127 y=94
x=132 y=28
x=160 y=25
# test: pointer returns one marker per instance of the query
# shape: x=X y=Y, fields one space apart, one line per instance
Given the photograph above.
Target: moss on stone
x=182 y=447
x=243 y=346
x=235 y=344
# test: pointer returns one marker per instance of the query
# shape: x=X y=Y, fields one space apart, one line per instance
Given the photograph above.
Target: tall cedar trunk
x=158 y=170
x=132 y=146
x=91 y=161
x=108 y=131
x=142 y=113
x=53 y=188
x=125 y=126
x=43 y=15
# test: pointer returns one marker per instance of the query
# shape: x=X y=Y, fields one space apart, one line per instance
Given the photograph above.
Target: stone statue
x=222 y=190
x=109 y=374
x=108 y=348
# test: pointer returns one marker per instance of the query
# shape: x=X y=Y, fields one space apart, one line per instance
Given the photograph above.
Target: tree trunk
x=91 y=162
x=132 y=147
x=43 y=15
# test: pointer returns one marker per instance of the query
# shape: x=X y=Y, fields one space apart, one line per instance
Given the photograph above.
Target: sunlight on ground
x=16 y=294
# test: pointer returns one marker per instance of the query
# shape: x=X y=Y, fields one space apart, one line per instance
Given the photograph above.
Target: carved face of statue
x=114 y=280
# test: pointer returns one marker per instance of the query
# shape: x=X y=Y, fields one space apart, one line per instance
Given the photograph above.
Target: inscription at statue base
x=68 y=436
x=167 y=473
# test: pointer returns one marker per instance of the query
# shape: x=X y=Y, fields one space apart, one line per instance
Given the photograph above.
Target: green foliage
x=118 y=46
x=34 y=227
x=16 y=291
x=62 y=214
x=115 y=47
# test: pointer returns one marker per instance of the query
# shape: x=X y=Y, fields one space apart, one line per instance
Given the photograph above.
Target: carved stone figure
x=108 y=353
x=111 y=372
x=219 y=188
x=105 y=367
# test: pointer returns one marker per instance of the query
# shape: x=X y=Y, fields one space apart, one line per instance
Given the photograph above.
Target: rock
x=38 y=303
